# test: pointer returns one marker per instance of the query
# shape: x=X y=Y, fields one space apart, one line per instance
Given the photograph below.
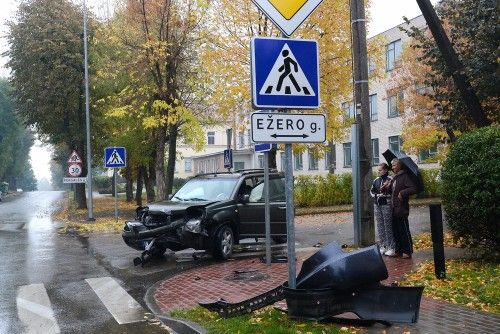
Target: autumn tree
x=46 y=60
x=226 y=58
x=15 y=143
x=435 y=111
x=157 y=86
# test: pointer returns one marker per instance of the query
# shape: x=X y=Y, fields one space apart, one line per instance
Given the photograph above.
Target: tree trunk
x=141 y=171
x=13 y=184
x=149 y=181
x=172 y=148
x=160 y=163
x=80 y=195
x=331 y=154
x=80 y=198
x=129 y=193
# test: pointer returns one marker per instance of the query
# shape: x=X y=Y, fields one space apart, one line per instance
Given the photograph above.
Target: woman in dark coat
x=402 y=187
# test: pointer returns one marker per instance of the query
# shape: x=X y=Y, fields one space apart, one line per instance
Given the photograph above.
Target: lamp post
x=87 y=118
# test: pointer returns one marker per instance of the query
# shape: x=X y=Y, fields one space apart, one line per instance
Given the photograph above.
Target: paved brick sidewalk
x=207 y=284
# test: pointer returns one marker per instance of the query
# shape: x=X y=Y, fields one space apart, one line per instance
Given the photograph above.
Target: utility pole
x=364 y=226
x=87 y=118
x=453 y=63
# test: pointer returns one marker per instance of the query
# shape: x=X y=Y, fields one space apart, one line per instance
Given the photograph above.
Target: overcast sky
x=384 y=14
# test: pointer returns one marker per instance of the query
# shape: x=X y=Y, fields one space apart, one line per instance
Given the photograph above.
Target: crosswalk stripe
x=35 y=311
x=119 y=303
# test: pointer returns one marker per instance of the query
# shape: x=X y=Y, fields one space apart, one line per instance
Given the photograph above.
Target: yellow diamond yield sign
x=287 y=8
x=287 y=15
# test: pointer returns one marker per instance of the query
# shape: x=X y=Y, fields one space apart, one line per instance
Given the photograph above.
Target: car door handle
x=282 y=207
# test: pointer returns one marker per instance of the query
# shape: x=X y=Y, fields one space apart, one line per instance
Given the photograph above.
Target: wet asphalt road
x=44 y=276
x=33 y=254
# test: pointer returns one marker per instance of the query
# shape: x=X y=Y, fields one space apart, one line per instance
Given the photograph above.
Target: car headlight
x=193 y=225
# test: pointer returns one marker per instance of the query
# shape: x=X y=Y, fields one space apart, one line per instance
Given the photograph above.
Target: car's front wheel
x=223 y=243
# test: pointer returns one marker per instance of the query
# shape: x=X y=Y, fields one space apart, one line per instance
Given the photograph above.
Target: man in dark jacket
x=402 y=188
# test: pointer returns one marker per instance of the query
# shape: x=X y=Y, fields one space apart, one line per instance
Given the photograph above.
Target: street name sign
x=74 y=180
x=285 y=73
x=288 y=128
x=115 y=157
x=264 y=147
x=287 y=15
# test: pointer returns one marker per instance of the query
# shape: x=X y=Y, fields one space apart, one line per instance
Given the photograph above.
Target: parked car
x=210 y=212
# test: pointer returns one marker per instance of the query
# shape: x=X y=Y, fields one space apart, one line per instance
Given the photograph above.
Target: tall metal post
x=361 y=105
x=267 y=211
x=290 y=216
x=116 y=194
x=90 y=203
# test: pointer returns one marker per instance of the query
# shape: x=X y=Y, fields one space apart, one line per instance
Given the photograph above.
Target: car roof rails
x=255 y=170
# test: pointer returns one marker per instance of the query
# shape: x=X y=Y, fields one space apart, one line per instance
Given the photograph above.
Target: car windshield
x=202 y=189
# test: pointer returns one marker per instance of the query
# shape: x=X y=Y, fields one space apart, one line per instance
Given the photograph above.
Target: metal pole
x=361 y=105
x=437 y=240
x=290 y=230
x=116 y=195
x=356 y=181
x=229 y=133
x=267 y=211
x=87 y=118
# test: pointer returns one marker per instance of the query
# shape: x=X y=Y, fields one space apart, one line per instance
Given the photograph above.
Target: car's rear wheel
x=223 y=243
x=279 y=239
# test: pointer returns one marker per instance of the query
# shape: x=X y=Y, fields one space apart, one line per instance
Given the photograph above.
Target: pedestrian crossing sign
x=285 y=73
x=115 y=157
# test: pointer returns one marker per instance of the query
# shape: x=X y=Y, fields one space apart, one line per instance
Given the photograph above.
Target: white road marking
x=119 y=303
x=35 y=311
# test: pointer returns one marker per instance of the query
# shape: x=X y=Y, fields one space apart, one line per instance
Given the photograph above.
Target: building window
x=426 y=154
x=348 y=108
x=282 y=161
x=330 y=158
x=392 y=54
x=375 y=152
x=395 y=143
x=188 y=165
x=371 y=66
x=313 y=160
x=238 y=165
x=260 y=161
x=394 y=104
x=210 y=138
x=373 y=107
x=347 y=154
x=298 y=163
x=241 y=140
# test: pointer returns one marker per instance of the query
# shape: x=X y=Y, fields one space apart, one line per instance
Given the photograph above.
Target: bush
x=471 y=189
x=432 y=182
x=102 y=182
x=332 y=189
x=4 y=187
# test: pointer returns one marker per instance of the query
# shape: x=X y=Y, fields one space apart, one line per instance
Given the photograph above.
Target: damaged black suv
x=210 y=212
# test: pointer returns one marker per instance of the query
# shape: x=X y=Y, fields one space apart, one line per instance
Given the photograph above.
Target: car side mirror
x=170 y=196
x=245 y=198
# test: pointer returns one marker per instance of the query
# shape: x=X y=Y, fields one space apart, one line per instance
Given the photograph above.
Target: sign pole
x=267 y=211
x=116 y=195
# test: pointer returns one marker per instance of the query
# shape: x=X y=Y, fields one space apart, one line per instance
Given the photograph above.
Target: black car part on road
x=332 y=282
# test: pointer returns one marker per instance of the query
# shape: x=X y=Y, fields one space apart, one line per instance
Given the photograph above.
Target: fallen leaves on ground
x=473 y=283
